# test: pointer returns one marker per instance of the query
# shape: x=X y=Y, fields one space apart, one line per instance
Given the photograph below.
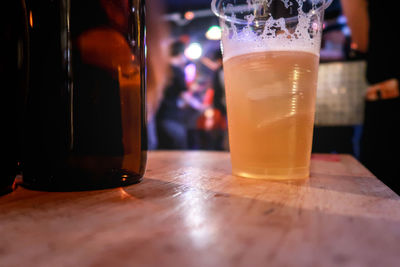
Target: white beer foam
x=305 y=37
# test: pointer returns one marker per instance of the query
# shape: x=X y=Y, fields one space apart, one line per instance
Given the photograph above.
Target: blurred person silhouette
x=374 y=25
x=212 y=123
x=215 y=64
x=219 y=85
x=196 y=100
x=157 y=65
x=220 y=133
x=171 y=130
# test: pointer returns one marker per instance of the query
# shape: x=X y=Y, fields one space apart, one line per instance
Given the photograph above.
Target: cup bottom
x=274 y=173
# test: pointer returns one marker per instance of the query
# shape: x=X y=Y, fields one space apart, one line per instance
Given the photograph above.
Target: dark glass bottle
x=13 y=73
x=85 y=124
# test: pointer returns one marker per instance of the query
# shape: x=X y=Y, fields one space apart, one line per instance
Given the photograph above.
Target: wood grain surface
x=190 y=211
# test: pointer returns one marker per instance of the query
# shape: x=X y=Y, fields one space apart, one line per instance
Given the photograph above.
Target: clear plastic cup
x=270 y=57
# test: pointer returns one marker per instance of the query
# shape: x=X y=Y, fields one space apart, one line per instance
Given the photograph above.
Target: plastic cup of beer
x=270 y=57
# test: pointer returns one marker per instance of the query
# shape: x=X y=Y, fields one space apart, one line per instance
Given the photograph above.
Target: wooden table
x=190 y=211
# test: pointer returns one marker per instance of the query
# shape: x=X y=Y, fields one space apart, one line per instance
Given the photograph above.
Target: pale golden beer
x=271 y=104
x=271 y=57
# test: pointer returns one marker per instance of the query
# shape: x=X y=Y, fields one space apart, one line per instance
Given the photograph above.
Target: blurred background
x=191 y=43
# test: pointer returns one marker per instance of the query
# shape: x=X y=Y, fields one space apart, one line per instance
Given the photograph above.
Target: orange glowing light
x=189 y=15
x=30 y=19
x=354 y=46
